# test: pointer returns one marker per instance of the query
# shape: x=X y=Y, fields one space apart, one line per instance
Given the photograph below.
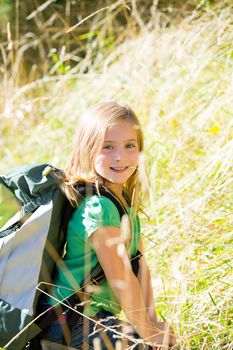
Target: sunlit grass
x=179 y=80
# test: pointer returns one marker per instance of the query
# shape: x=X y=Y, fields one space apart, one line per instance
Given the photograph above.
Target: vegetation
x=176 y=73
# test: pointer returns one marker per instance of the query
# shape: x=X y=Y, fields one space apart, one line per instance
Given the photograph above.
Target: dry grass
x=179 y=80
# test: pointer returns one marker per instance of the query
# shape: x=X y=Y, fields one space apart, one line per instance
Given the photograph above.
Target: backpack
x=31 y=243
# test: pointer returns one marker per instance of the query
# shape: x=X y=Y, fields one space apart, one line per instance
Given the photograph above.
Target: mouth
x=119 y=169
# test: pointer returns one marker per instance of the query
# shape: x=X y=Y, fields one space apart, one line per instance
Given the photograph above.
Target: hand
x=165 y=339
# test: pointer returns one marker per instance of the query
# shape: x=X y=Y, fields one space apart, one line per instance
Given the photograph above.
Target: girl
x=106 y=153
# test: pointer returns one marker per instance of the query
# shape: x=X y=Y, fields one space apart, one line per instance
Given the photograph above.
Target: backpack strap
x=86 y=189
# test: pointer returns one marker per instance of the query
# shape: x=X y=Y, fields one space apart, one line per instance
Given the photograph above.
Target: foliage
x=178 y=78
x=41 y=28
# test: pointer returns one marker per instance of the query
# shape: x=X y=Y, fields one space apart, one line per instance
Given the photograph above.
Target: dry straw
x=179 y=79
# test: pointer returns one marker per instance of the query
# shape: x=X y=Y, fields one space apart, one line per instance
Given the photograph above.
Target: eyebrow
x=129 y=140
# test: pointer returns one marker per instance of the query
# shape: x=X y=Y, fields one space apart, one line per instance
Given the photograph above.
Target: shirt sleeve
x=94 y=212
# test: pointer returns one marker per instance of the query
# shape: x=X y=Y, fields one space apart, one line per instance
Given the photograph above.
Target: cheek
x=100 y=162
x=135 y=157
x=97 y=163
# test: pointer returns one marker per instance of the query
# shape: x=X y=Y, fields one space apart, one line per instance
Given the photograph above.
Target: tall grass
x=190 y=146
x=179 y=81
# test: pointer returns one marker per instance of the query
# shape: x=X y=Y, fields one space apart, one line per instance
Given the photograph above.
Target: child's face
x=118 y=158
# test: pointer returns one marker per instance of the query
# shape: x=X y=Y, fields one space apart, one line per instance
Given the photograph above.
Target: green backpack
x=31 y=243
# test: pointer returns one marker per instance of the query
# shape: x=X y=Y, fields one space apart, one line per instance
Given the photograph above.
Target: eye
x=108 y=147
x=130 y=145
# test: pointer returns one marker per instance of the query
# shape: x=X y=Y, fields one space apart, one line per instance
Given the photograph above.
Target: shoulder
x=98 y=205
x=95 y=212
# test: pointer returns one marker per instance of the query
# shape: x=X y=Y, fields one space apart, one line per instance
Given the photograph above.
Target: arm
x=144 y=279
x=145 y=282
x=112 y=256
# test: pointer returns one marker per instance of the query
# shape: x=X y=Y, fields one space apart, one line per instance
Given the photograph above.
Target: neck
x=117 y=189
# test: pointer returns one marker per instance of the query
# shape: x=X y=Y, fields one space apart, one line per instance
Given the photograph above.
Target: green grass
x=179 y=81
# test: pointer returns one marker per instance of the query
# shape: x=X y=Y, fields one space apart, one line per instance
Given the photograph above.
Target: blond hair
x=88 y=141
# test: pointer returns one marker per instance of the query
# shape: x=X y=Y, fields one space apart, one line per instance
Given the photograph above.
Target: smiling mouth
x=119 y=169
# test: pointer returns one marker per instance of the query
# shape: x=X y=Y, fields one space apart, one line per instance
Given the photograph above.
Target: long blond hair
x=88 y=141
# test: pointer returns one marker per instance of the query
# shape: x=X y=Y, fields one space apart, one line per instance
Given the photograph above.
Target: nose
x=118 y=154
